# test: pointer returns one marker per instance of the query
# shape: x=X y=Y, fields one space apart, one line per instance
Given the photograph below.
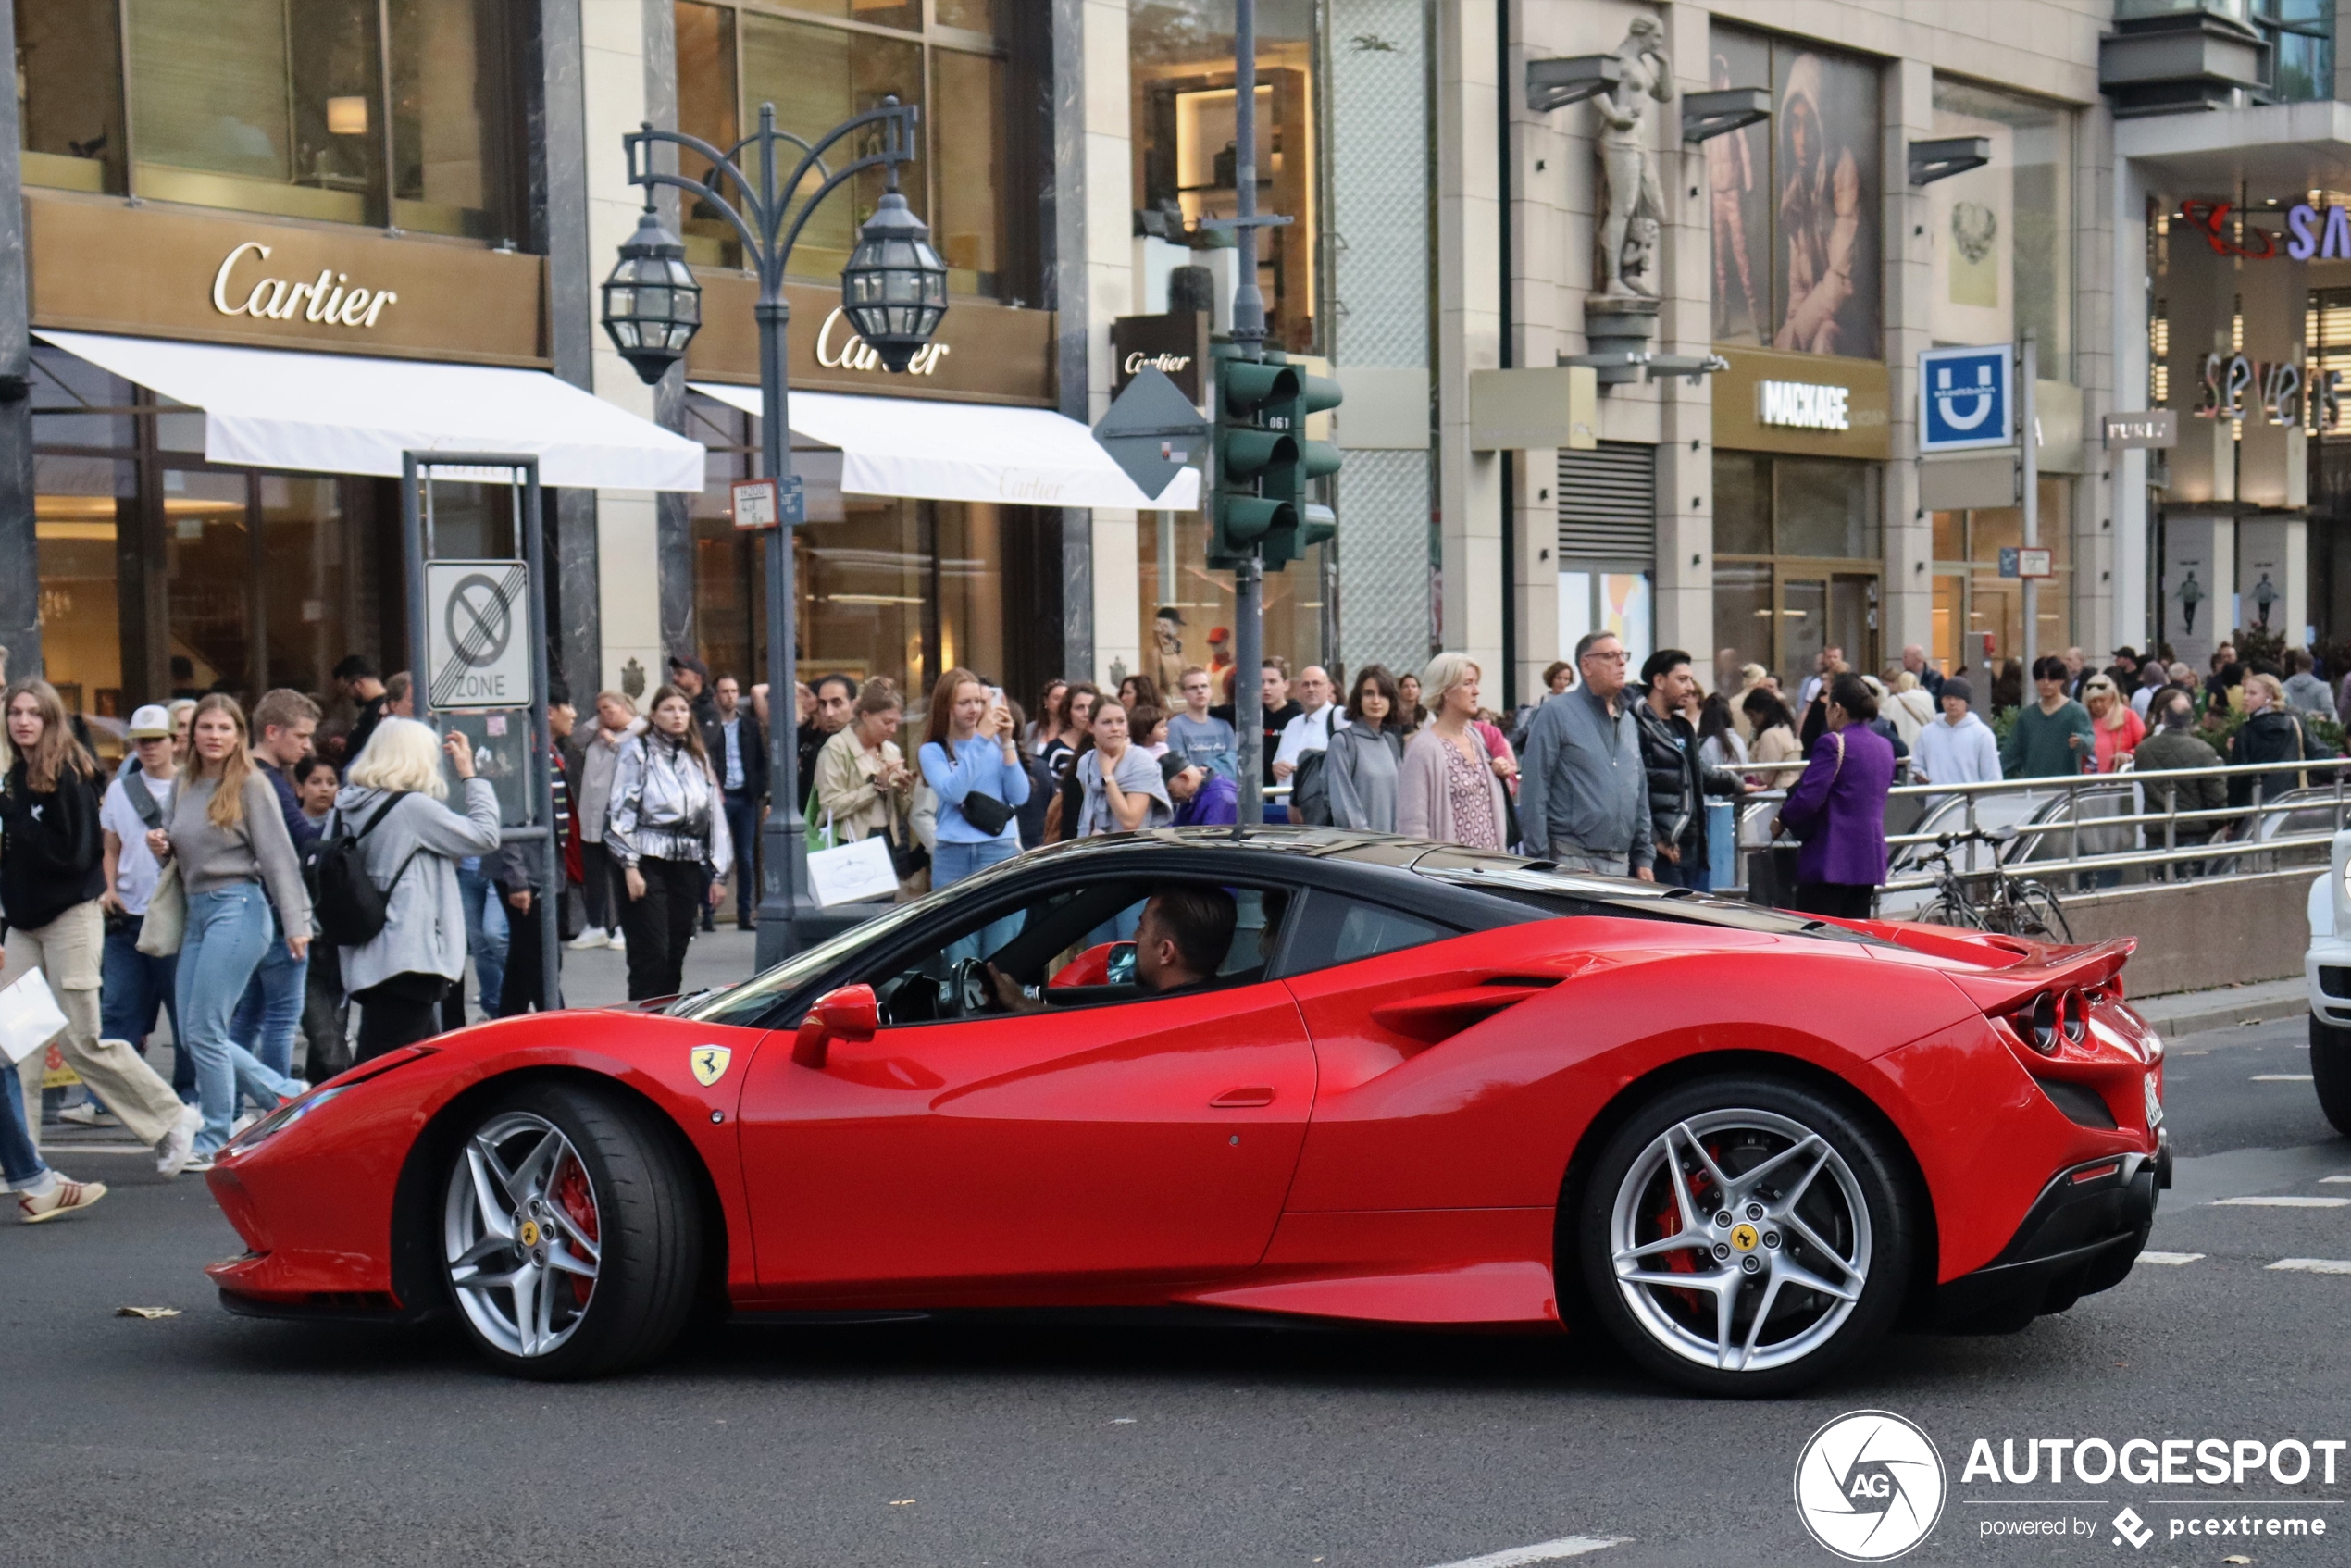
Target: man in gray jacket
x=1583 y=792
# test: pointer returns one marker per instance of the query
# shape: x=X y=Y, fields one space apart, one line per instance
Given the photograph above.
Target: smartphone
x=996 y=694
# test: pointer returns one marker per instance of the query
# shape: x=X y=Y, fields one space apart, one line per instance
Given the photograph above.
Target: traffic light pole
x=1248 y=338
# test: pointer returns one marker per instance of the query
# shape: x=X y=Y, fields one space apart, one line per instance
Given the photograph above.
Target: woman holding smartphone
x=971 y=760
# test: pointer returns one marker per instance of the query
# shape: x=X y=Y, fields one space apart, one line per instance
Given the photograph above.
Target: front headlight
x=285 y=1116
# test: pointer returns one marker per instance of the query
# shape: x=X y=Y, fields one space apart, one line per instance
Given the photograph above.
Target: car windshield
x=747 y=1004
x=1534 y=884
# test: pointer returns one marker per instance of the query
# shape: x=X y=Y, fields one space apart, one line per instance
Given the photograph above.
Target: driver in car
x=1180 y=941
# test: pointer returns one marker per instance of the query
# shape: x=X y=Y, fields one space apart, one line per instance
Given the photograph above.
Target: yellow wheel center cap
x=528 y=1235
x=1743 y=1238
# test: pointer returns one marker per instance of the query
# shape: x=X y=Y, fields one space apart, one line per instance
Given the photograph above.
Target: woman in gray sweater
x=1365 y=754
x=228 y=835
x=410 y=842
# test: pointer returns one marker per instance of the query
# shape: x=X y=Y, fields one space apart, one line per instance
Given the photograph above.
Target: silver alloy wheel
x=522 y=1234
x=1730 y=1250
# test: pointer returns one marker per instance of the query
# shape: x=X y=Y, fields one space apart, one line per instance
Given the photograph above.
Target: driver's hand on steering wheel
x=1011 y=994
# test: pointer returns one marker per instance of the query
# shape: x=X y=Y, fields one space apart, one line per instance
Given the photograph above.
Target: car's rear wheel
x=2331 y=1072
x=1745 y=1235
x=568 y=1233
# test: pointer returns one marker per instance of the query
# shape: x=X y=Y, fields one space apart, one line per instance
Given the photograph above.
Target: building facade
x=440 y=184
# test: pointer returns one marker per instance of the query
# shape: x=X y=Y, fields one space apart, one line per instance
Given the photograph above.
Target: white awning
x=963 y=451
x=346 y=414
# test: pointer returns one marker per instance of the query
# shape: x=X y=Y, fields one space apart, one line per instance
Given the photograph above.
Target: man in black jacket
x=518 y=870
x=1679 y=782
x=738 y=750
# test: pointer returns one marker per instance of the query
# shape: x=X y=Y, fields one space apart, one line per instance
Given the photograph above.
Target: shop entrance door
x=1803 y=625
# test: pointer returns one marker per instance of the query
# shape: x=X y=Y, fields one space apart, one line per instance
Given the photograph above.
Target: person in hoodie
x=410 y=842
x=2270 y=733
x=1957 y=747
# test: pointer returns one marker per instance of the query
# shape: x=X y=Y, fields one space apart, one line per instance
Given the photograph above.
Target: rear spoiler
x=2094 y=967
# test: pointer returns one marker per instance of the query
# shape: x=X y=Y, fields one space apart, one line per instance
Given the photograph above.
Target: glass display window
x=1798 y=553
x=2003 y=233
x=1979 y=613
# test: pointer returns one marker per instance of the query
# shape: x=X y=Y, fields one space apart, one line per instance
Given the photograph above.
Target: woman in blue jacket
x=971 y=760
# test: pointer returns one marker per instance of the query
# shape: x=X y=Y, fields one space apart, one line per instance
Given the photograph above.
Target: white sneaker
x=88 y=1116
x=63 y=1197
x=199 y=1164
x=237 y=1127
x=594 y=937
x=617 y=943
x=178 y=1145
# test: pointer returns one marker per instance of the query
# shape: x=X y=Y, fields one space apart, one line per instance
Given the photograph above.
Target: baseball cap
x=1220 y=634
x=1170 y=613
x=1171 y=765
x=688 y=661
x=152 y=722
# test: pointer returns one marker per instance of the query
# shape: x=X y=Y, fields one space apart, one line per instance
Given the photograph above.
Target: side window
x=1337 y=929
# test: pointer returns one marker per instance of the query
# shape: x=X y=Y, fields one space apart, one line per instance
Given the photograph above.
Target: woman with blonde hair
x=410 y=841
x=1448 y=789
x=2117 y=729
x=1911 y=708
x=51 y=877
x=228 y=835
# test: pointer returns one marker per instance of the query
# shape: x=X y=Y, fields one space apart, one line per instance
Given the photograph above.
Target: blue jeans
x=485 y=933
x=953 y=863
x=132 y=989
x=229 y=929
x=270 y=1013
x=742 y=826
x=19 y=1163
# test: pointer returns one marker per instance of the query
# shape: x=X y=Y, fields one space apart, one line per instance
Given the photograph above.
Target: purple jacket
x=1218 y=801
x=1838 y=808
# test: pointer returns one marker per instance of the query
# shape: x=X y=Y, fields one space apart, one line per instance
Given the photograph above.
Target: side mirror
x=850 y=1013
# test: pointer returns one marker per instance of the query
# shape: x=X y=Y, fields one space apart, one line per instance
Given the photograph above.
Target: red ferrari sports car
x=1308 y=1073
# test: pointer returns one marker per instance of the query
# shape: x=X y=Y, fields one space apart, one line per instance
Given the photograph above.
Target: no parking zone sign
x=477 y=634
x=1966 y=399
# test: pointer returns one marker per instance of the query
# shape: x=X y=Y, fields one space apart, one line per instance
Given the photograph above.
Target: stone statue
x=1626 y=163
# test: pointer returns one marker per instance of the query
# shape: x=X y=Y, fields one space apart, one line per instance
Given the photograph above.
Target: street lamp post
x=894 y=291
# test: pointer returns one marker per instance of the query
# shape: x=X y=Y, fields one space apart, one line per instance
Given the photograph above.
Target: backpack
x=1310 y=790
x=349 y=907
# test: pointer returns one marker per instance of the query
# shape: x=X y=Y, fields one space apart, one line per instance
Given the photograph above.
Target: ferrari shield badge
x=710 y=1063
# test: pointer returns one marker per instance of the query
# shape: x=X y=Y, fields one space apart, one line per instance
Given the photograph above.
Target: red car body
x=1383 y=1140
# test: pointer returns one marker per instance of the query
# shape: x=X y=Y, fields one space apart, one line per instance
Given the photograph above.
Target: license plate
x=2155 y=1103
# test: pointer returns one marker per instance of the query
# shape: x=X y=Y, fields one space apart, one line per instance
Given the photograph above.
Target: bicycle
x=2016 y=906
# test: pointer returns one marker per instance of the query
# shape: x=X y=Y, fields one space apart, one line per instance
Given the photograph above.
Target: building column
x=1469 y=334
x=1906 y=594
x=19 y=550
x=1685 y=568
x=628 y=521
x=2127 y=389
x=1105 y=286
x=673 y=510
x=2103 y=594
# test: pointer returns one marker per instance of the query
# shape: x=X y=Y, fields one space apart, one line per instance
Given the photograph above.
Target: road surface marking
x=2283 y=1078
x=2170 y=1257
x=1542 y=1551
x=2335 y=1181
x=2312 y=1266
x=2281 y=1202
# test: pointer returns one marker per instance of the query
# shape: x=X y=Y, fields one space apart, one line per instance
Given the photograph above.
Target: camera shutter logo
x=1870 y=1486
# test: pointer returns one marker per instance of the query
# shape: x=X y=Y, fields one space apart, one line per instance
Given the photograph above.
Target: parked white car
x=2327 y=969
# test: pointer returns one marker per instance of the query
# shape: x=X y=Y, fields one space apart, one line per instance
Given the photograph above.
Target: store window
x=1979 y=612
x=1180 y=65
x=888 y=586
x=1797 y=549
x=291 y=108
x=826 y=62
x=1795 y=200
x=163 y=576
x=2003 y=234
x=1175 y=576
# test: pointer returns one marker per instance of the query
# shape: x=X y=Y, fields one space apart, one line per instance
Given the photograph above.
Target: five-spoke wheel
x=569 y=1236
x=1742 y=1235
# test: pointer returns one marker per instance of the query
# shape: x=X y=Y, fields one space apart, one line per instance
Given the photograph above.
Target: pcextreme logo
x=1868 y=1485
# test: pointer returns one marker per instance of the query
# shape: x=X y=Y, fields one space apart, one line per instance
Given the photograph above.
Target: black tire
x=2040 y=916
x=624 y=1193
x=1942 y=911
x=2331 y=1072
x=1753 y=1118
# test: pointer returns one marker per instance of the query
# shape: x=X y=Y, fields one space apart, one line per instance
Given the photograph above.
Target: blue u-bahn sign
x=1965 y=399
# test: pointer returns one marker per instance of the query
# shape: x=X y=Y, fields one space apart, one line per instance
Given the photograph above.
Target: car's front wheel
x=568 y=1234
x=1745 y=1235
x=2331 y=1072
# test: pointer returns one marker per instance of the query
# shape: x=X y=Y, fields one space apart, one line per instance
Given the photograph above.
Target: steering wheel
x=967 y=991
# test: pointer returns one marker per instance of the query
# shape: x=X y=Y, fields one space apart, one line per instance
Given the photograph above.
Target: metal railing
x=2226 y=841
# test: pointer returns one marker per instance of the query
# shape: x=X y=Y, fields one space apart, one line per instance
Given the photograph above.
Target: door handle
x=1242 y=1099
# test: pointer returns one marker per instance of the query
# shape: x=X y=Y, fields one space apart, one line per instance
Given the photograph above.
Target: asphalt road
x=204 y=1439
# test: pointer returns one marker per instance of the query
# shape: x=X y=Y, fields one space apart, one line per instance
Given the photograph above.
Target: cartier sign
x=332 y=297
x=985 y=353
x=1175 y=342
x=838 y=348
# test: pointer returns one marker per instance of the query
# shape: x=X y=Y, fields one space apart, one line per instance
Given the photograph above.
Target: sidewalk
x=599 y=978
x=2187 y=1012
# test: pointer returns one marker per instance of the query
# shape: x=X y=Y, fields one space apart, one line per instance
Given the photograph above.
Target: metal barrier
x=2273 y=831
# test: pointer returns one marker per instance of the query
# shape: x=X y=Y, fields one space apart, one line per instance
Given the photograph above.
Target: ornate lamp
x=894 y=288
x=653 y=306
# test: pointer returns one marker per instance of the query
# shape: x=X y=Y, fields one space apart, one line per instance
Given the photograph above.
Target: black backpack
x=348 y=906
x=1310 y=790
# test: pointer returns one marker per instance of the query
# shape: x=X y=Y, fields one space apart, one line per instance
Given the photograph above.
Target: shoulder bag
x=165 y=925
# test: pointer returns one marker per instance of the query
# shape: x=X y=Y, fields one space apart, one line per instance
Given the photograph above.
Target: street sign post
x=765 y=503
x=1966 y=399
x=478 y=653
x=1151 y=430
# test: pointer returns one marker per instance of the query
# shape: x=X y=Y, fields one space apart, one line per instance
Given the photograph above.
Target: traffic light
x=1311 y=522
x=1250 y=396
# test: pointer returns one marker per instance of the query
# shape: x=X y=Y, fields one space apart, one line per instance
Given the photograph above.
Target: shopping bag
x=29 y=1017
x=165 y=923
x=860 y=870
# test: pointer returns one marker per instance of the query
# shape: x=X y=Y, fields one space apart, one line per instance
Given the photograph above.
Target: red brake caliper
x=573 y=1194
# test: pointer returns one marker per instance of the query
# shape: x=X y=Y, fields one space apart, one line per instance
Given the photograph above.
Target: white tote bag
x=29 y=1017
x=851 y=872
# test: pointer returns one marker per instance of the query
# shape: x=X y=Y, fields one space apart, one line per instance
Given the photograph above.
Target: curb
x=2189 y=1013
